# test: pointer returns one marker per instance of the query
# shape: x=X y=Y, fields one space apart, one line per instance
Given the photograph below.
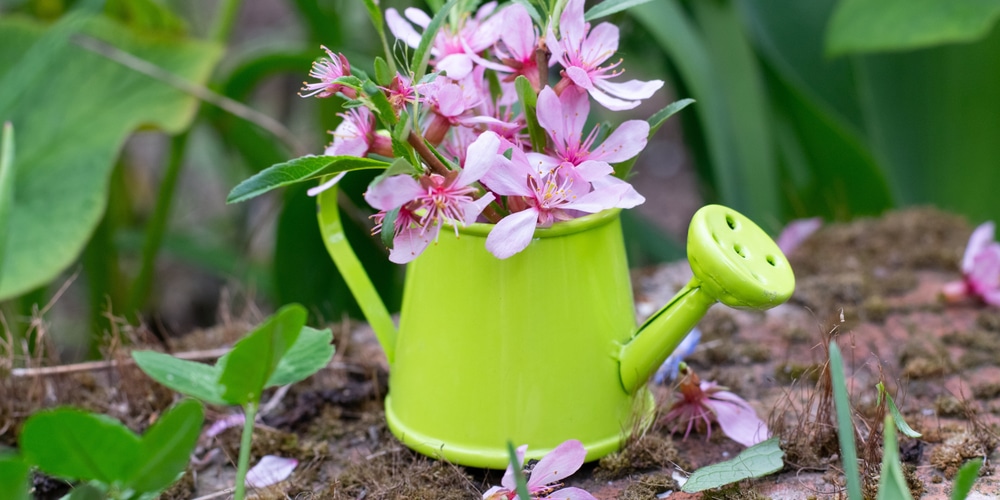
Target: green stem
x=244 y=463
x=225 y=20
x=157 y=226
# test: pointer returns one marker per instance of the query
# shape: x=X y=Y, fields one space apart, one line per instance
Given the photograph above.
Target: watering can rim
x=562 y=228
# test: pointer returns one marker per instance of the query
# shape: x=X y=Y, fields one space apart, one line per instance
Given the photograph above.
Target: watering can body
x=522 y=349
x=543 y=346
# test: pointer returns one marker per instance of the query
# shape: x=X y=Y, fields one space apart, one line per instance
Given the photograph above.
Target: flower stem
x=250 y=410
x=426 y=154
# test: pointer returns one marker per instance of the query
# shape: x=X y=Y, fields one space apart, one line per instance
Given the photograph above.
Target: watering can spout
x=734 y=262
x=354 y=274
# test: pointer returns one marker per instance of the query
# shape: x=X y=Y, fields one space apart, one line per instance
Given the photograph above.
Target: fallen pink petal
x=270 y=470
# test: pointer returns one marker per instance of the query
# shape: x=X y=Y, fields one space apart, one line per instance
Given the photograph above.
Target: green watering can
x=543 y=346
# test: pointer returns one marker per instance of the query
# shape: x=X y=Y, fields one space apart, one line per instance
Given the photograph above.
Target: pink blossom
x=327 y=71
x=581 y=51
x=544 y=477
x=453 y=49
x=701 y=402
x=542 y=198
x=520 y=39
x=428 y=203
x=980 y=268
x=270 y=470
x=356 y=135
x=796 y=232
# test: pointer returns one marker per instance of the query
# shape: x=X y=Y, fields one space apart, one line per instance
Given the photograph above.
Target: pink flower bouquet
x=489 y=123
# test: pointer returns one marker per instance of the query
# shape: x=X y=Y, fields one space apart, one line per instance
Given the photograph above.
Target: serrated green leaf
x=608 y=7
x=14 y=477
x=422 y=56
x=845 y=425
x=311 y=352
x=965 y=478
x=655 y=122
x=529 y=101
x=892 y=483
x=298 y=170
x=885 y=25
x=255 y=357
x=73 y=444
x=190 y=378
x=758 y=460
x=894 y=411
x=166 y=447
x=68 y=139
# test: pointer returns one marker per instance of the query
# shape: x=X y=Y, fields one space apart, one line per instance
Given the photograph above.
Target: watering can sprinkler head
x=734 y=262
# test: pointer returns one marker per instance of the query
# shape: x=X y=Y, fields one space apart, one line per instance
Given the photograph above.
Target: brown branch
x=425 y=152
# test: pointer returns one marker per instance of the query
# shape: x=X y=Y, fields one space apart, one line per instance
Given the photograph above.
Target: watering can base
x=495 y=455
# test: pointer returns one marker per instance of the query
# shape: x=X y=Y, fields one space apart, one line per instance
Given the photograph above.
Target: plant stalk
x=250 y=411
x=224 y=21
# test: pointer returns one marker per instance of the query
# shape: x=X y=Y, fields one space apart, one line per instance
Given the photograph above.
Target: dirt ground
x=882 y=276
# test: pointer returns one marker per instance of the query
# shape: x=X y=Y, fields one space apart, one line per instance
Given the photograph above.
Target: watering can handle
x=353 y=272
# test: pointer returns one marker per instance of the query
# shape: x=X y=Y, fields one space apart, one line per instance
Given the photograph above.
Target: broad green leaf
x=730 y=103
x=68 y=138
x=655 y=122
x=529 y=100
x=937 y=132
x=146 y=15
x=166 y=447
x=14 y=477
x=845 y=425
x=608 y=7
x=892 y=483
x=894 y=411
x=6 y=187
x=255 y=357
x=758 y=460
x=298 y=170
x=886 y=25
x=311 y=352
x=965 y=478
x=382 y=74
x=423 y=53
x=73 y=444
x=190 y=378
x=85 y=491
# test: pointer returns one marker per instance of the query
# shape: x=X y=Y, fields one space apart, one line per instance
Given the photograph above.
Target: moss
x=790 y=372
x=647 y=487
x=649 y=451
x=956 y=450
x=401 y=473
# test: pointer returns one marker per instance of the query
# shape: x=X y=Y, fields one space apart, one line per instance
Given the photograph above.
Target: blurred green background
x=132 y=120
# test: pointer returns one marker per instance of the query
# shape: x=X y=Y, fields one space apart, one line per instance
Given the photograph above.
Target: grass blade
x=845 y=425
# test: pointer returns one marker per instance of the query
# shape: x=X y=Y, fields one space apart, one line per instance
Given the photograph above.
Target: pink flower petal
x=270 y=470
x=632 y=89
x=326 y=185
x=519 y=35
x=980 y=239
x=508 y=476
x=559 y=463
x=625 y=142
x=512 y=234
x=509 y=178
x=572 y=26
x=591 y=170
x=401 y=29
x=796 y=232
x=393 y=192
x=472 y=210
x=600 y=45
x=984 y=276
x=571 y=494
x=456 y=66
x=411 y=242
x=225 y=423
x=481 y=156
x=629 y=196
x=542 y=163
x=737 y=418
x=419 y=17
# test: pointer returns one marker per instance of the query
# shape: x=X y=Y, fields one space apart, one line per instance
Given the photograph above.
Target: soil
x=872 y=285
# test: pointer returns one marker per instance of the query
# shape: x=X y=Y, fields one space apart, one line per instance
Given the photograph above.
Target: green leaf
x=85 y=492
x=529 y=100
x=190 y=378
x=166 y=447
x=14 y=477
x=255 y=357
x=655 y=122
x=382 y=74
x=521 y=483
x=886 y=25
x=383 y=109
x=423 y=53
x=73 y=444
x=892 y=483
x=608 y=7
x=68 y=139
x=311 y=352
x=845 y=425
x=758 y=460
x=298 y=170
x=965 y=478
x=6 y=187
x=894 y=411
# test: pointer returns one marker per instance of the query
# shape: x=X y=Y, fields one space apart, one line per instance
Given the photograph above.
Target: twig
x=231 y=105
x=217 y=494
x=106 y=364
x=428 y=156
